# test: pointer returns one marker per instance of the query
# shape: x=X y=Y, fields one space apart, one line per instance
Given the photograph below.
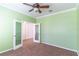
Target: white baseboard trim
x=17 y=47
x=61 y=47
x=6 y=50
x=11 y=49
x=27 y=38
x=36 y=41
x=78 y=53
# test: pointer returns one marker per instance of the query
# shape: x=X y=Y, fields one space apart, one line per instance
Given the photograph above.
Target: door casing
x=14 y=35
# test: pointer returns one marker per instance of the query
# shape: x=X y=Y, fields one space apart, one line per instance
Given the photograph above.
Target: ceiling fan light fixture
x=35 y=9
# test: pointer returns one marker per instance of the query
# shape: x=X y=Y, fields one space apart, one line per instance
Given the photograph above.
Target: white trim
x=6 y=50
x=18 y=11
x=21 y=36
x=43 y=15
x=18 y=47
x=78 y=53
x=14 y=24
x=60 y=47
x=14 y=33
x=63 y=11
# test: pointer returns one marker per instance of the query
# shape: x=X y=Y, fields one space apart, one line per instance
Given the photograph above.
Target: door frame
x=38 y=41
x=34 y=31
x=14 y=34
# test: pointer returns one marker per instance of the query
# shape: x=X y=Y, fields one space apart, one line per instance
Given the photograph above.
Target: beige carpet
x=30 y=48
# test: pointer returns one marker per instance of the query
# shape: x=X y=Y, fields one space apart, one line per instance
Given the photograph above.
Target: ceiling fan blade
x=31 y=10
x=28 y=4
x=45 y=6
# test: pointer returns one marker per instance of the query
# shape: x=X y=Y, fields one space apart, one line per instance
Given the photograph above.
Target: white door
x=17 y=37
x=37 y=33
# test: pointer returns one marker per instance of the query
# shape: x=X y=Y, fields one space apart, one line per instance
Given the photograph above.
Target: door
x=17 y=34
x=37 y=33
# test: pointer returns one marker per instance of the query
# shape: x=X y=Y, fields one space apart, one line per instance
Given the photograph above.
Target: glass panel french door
x=37 y=33
x=18 y=33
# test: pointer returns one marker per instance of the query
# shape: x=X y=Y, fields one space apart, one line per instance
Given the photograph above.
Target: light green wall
x=6 y=26
x=60 y=29
x=78 y=28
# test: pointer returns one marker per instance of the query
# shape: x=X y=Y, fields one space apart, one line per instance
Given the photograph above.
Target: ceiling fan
x=37 y=6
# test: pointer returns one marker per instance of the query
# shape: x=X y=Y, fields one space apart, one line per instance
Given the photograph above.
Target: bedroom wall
x=6 y=26
x=60 y=29
x=78 y=29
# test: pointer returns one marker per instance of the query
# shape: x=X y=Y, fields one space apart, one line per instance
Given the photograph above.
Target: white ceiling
x=56 y=7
